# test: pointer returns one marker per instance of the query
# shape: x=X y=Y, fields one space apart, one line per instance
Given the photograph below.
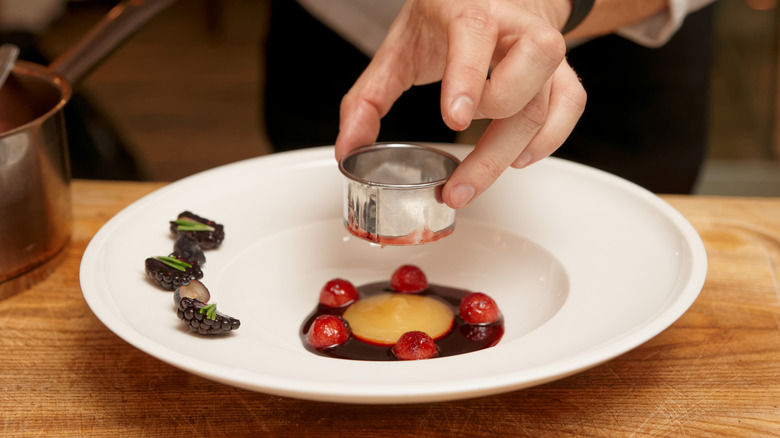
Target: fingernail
x=522 y=160
x=461 y=195
x=462 y=110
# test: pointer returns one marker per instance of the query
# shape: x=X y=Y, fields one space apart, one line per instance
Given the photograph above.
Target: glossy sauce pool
x=462 y=338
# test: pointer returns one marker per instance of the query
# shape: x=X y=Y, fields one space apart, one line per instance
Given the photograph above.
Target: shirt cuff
x=655 y=31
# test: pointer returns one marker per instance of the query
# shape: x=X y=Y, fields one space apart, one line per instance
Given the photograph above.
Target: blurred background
x=185 y=93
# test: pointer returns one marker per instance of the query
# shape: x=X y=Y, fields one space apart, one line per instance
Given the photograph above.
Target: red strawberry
x=415 y=345
x=327 y=331
x=408 y=279
x=478 y=308
x=338 y=293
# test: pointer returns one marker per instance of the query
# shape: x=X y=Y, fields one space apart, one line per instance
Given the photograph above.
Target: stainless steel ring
x=392 y=193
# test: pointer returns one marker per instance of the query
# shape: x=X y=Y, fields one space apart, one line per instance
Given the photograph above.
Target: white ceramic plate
x=584 y=266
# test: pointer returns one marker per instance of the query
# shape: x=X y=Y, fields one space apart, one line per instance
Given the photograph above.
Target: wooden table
x=715 y=372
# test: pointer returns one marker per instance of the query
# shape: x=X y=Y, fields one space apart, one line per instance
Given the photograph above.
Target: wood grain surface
x=715 y=372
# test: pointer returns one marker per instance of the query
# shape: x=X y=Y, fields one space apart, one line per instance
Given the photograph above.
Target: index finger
x=471 y=36
x=496 y=150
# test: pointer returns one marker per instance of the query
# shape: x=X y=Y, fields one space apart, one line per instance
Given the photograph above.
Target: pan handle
x=109 y=33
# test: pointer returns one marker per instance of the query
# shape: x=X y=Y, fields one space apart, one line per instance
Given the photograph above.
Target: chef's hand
x=532 y=95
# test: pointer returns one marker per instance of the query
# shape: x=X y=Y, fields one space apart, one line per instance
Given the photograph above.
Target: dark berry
x=170 y=273
x=338 y=293
x=187 y=248
x=208 y=233
x=479 y=332
x=478 y=308
x=327 y=331
x=204 y=319
x=415 y=345
x=408 y=279
x=194 y=289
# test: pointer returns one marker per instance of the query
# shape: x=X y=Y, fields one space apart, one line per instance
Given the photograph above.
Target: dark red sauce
x=462 y=338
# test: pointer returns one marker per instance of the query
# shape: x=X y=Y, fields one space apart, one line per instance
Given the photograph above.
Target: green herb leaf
x=210 y=310
x=190 y=225
x=174 y=263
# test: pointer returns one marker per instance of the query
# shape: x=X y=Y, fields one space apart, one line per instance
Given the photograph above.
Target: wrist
x=579 y=11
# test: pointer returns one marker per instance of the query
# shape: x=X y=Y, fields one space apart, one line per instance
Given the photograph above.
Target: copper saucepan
x=35 y=206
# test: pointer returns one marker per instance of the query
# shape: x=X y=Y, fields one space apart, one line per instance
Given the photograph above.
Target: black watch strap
x=579 y=10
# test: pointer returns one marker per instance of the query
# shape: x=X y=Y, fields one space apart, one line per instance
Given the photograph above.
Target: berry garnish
x=204 y=319
x=408 y=279
x=207 y=233
x=480 y=332
x=194 y=289
x=327 y=331
x=478 y=308
x=170 y=272
x=187 y=248
x=415 y=345
x=338 y=293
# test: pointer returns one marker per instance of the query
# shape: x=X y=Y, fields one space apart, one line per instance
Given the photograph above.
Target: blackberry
x=186 y=248
x=207 y=233
x=204 y=319
x=170 y=272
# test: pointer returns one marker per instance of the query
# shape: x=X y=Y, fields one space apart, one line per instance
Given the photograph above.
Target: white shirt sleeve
x=655 y=31
x=364 y=23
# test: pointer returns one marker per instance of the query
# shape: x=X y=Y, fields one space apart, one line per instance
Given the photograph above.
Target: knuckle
x=472 y=72
x=489 y=168
x=535 y=114
x=548 y=46
x=501 y=104
x=547 y=143
x=347 y=104
x=574 y=98
x=478 y=19
x=362 y=98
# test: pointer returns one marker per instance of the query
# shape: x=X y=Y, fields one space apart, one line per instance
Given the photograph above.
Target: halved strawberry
x=478 y=308
x=415 y=345
x=338 y=293
x=408 y=279
x=327 y=331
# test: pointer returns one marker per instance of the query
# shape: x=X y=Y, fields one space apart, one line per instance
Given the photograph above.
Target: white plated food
x=583 y=265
